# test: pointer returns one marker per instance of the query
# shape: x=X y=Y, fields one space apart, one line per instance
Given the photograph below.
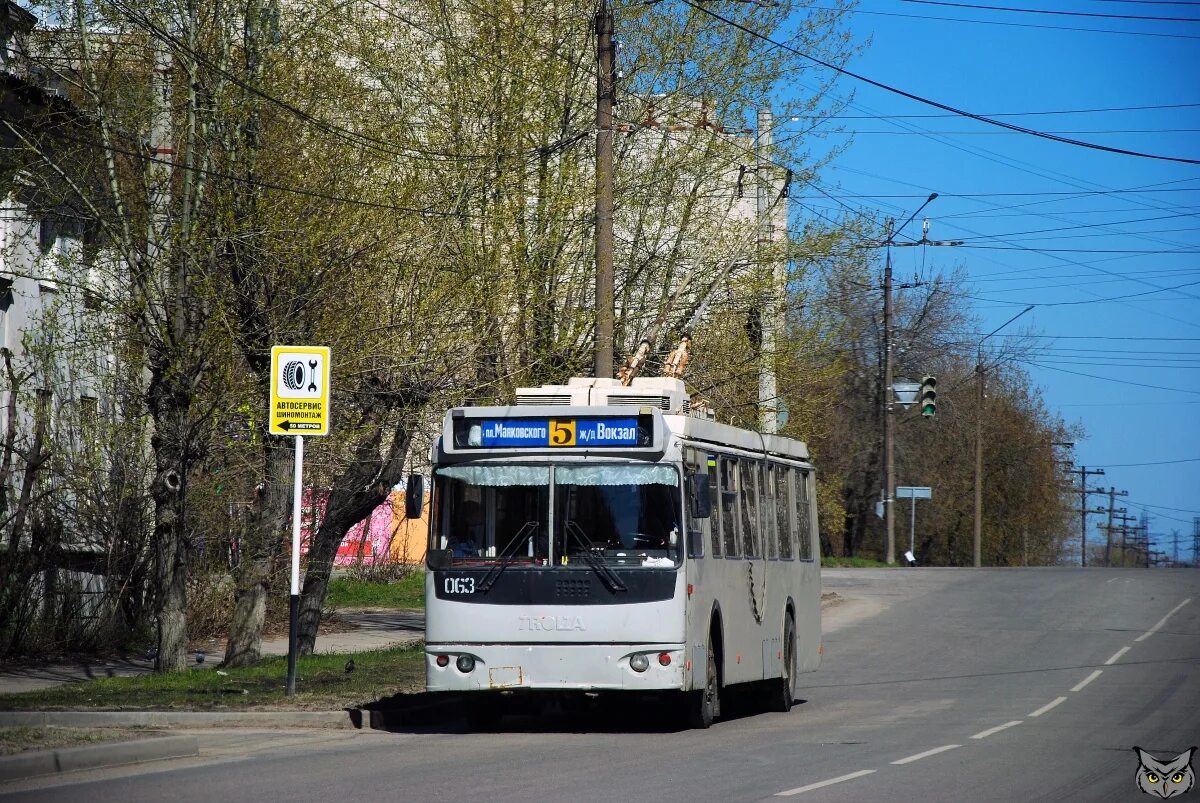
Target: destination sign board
x=560 y=432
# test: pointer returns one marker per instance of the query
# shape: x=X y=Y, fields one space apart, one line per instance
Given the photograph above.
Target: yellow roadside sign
x=299 y=390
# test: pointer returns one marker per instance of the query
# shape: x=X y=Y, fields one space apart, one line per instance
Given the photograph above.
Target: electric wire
x=938 y=104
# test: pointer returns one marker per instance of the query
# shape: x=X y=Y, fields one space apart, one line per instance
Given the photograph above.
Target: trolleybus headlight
x=443 y=660
x=664 y=659
x=639 y=663
x=465 y=664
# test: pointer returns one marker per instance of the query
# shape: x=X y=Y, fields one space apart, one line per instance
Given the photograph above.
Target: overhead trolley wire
x=937 y=104
x=1008 y=24
x=1050 y=12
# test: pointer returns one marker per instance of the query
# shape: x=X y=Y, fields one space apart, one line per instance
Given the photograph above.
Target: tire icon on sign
x=293 y=375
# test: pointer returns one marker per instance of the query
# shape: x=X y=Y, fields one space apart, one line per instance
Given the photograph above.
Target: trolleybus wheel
x=783 y=689
x=704 y=705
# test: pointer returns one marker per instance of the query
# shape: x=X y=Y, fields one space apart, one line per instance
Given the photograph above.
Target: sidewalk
x=373 y=629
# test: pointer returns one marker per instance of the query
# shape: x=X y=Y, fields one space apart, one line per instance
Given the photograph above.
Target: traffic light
x=928 y=396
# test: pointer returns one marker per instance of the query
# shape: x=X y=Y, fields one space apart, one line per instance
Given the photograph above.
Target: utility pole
x=1112 y=495
x=979 y=381
x=889 y=436
x=1144 y=534
x=770 y=268
x=1124 y=528
x=889 y=425
x=605 y=95
x=1084 y=491
x=1196 y=542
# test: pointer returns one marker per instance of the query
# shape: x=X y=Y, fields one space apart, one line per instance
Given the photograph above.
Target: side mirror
x=414 y=496
x=701 y=504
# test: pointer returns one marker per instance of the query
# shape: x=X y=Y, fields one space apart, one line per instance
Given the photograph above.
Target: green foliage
x=407 y=592
x=321 y=683
x=854 y=563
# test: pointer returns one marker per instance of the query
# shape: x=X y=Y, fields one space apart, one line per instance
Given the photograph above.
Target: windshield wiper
x=506 y=557
x=606 y=574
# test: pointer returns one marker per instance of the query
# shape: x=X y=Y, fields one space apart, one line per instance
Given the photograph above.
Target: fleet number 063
x=460 y=585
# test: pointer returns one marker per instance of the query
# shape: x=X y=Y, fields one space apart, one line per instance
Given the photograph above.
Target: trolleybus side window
x=766 y=509
x=729 y=508
x=747 y=471
x=714 y=520
x=783 y=504
x=694 y=465
x=803 y=529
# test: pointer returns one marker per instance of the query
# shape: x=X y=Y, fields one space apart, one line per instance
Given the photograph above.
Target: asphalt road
x=937 y=684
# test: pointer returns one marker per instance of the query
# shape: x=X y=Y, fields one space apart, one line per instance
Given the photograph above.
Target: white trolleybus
x=585 y=540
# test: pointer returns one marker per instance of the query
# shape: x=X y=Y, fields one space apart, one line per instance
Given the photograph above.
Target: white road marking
x=1116 y=656
x=927 y=753
x=1162 y=621
x=1048 y=706
x=1078 y=686
x=820 y=784
x=997 y=729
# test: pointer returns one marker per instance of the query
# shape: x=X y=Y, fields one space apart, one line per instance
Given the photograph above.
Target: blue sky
x=1143 y=404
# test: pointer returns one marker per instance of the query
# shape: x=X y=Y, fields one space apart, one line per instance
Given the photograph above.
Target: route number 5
x=562 y=433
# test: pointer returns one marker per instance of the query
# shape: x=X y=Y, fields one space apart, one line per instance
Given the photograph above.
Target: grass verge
x=20 y=739
x=855 y=563
x=322 y=684
x=408 y=592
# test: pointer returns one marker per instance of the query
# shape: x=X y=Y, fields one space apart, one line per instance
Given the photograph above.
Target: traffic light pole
x=889 y=425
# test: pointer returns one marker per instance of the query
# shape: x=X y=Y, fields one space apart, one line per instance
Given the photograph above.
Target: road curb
x=33 y=763
x=185 y=719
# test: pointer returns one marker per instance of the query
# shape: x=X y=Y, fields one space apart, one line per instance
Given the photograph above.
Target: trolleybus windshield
x=620 y=514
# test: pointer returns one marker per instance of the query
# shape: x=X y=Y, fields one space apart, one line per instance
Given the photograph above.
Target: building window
x=89 y=422
x=46 y=235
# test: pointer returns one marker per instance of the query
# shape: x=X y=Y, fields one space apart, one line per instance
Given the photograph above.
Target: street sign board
x=299 y=390
x=913 y=492
x=906 y=392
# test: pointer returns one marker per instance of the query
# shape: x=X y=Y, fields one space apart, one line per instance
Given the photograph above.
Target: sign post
x=299 y=406
x=913 y=492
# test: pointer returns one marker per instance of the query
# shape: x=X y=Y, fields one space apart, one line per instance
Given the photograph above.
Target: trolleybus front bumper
x=577 y=667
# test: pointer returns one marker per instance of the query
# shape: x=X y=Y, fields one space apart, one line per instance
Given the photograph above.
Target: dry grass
x=20 y=739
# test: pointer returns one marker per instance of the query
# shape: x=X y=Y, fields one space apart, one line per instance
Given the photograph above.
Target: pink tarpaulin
x=368 y=541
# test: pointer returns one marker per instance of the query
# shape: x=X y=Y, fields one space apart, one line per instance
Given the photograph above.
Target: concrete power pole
x=1124 y=528
x=1112 y=495
x=605 y=95
x=770 y=268
x=889 y=426
x=1084 y=492
x=1196 y=542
